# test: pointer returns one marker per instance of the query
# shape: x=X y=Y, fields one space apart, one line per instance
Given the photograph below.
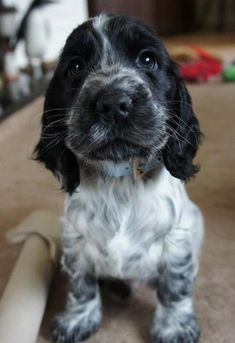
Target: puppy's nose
x=114 y=106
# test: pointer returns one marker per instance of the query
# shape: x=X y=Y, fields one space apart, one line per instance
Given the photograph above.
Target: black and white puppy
x=120 y=133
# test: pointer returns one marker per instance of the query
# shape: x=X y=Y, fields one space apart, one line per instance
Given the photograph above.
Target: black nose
x=114 y=106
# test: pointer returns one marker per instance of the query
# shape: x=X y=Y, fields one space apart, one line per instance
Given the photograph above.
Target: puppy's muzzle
x=114 y=107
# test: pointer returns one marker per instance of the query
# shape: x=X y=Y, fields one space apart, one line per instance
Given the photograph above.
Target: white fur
x=119 y=227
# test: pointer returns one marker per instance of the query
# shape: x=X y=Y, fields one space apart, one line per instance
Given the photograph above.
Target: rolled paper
x=24 y=300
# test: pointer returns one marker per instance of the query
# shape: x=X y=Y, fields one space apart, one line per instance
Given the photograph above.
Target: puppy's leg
x=175 y=321
x=83 y=313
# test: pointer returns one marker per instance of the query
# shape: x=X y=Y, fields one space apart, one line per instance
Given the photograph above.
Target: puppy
x=119 y=132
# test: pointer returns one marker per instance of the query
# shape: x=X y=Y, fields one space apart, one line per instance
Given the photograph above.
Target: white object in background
x=21 y=6
x=49 y=26
x=8 y=24
x=67 y=16
x=11 y=69
x=11 y=75
x=37 y=33
x=21 y=58
x=17 y=83
x=24 y=300
x=36 y=39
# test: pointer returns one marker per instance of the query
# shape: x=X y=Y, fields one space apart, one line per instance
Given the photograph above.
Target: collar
x=135 y=168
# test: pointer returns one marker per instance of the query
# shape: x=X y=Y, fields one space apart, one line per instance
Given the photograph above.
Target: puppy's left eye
x=146 y=59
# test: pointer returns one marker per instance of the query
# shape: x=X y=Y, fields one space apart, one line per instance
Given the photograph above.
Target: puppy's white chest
x=128 y=257
x=120 y=230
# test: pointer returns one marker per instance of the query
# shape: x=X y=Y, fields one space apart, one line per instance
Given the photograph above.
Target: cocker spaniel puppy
x=119 y=132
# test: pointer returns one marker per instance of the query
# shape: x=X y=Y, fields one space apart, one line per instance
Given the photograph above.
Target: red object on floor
x=205 y=68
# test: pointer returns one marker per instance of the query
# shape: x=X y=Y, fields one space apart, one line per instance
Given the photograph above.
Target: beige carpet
x=26 y=186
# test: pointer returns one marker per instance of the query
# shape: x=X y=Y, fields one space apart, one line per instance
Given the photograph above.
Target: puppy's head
x=116 y=95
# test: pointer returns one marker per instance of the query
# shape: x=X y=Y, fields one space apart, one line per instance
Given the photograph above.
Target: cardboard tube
x=24 y=300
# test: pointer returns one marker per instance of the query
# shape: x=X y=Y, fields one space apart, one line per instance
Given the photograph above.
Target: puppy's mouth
x=117 y=150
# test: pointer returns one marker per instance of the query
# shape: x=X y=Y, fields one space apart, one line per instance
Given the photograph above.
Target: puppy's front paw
x=74 y=327
x=173 y=332
x=181 y=337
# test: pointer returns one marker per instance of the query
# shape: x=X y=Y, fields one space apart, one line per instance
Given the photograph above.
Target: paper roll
x=24 y=300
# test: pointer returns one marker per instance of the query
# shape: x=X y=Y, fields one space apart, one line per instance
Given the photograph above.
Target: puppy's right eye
x=75 y=67
x=146 y=59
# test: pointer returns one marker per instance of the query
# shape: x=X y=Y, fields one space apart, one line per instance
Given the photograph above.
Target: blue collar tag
x=131 y=168
x=119 y=169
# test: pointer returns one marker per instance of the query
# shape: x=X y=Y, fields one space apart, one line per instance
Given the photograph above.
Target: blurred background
x=32 y=34
x=200 y=37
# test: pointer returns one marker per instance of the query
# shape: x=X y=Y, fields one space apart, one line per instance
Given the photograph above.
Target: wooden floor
x=25 y=186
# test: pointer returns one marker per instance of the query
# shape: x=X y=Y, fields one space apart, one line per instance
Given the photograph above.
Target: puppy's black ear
x=51 y=148
x=184 y=131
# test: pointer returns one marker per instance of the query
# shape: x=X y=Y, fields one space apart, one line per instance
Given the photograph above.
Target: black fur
x=137 y=136
x=51 y=150
x=178 y=156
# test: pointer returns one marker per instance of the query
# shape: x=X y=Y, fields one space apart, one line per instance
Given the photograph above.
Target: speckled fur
x=148 y=229
x=121 y=228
